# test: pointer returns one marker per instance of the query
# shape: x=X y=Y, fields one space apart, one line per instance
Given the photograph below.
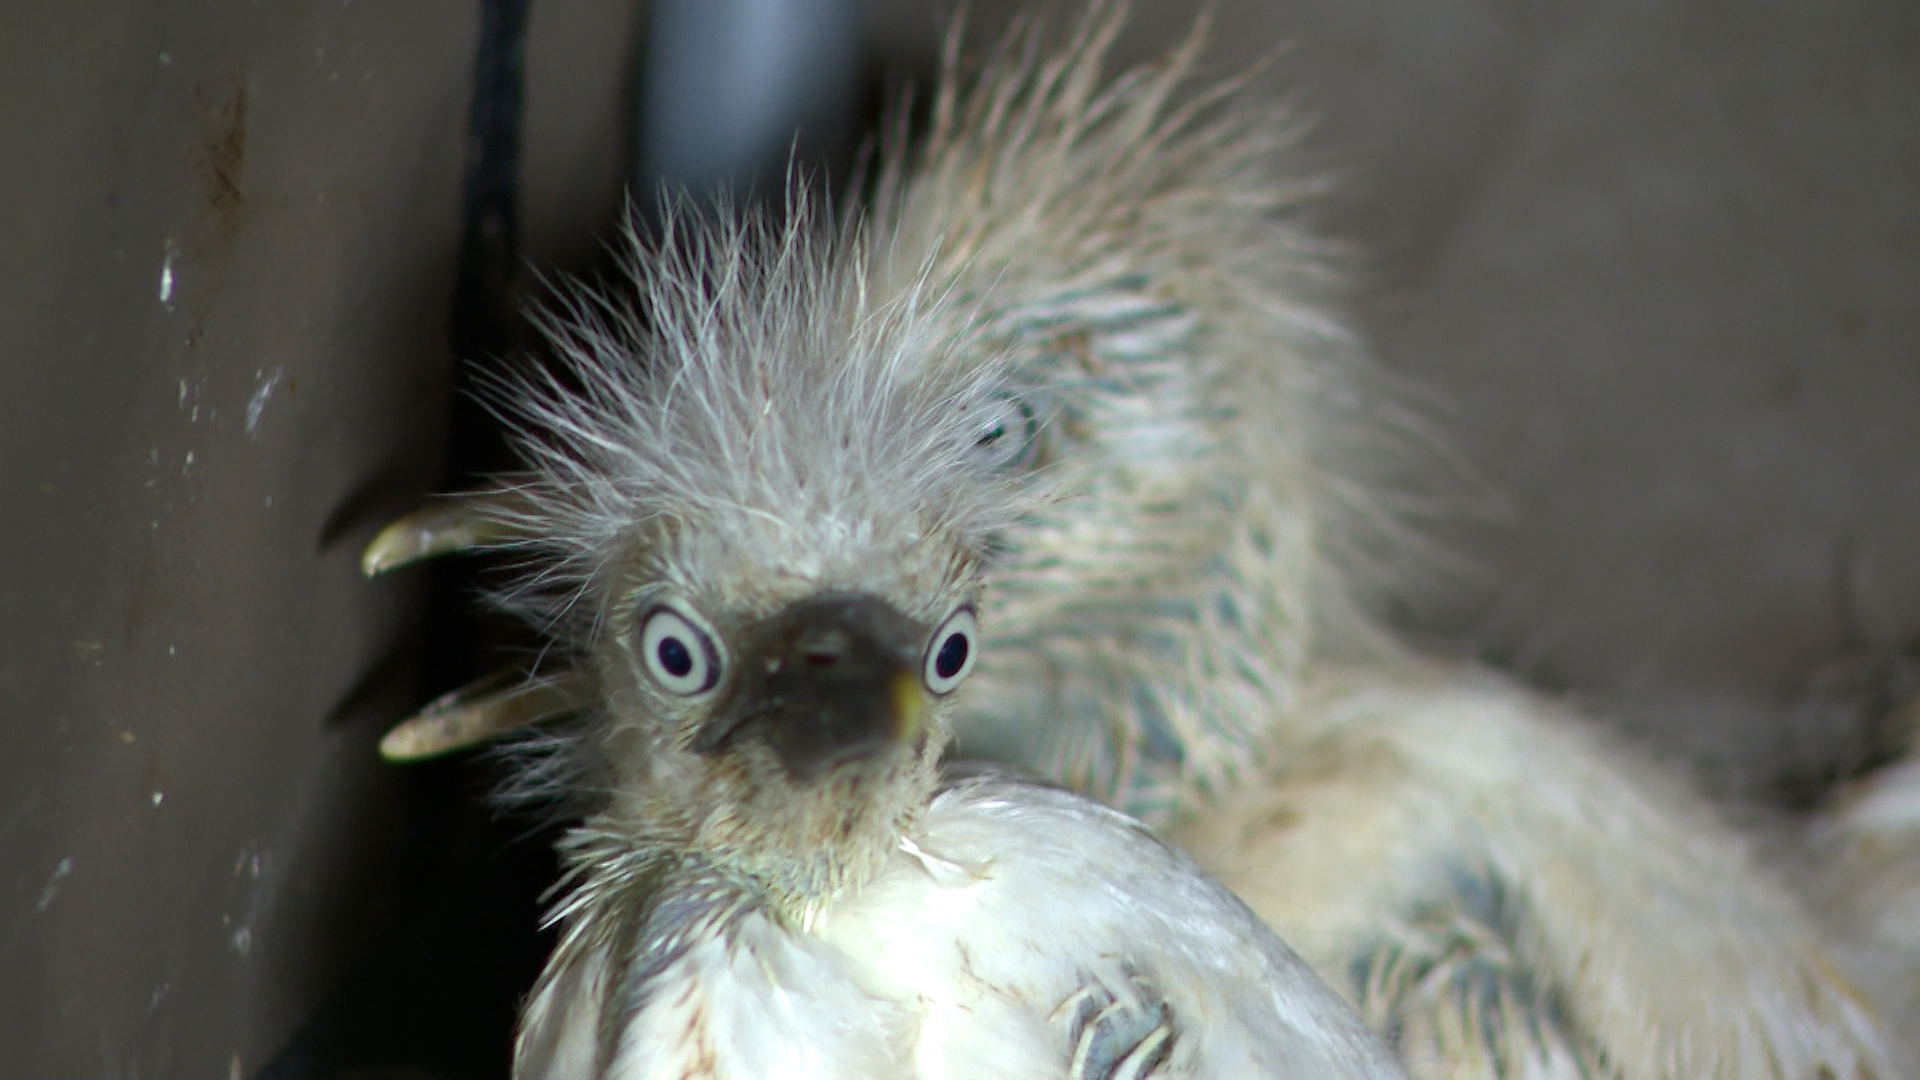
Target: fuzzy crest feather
x=749 y=389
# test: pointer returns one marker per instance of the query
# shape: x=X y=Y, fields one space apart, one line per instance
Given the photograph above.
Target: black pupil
x=992 y=435
x=952 y=657
x=675 y=657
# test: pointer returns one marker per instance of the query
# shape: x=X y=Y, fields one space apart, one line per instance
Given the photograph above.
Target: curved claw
x=503 y=702
x=441 y=528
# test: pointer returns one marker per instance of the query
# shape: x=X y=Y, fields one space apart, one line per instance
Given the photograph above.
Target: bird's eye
x=950 y=654
x=678 y=655
x=1006 y=432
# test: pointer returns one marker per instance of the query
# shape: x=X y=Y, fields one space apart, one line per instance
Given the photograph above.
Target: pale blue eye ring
x=677 y=654
x=951 y=652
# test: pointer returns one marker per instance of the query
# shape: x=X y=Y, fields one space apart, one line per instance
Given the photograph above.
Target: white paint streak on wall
x=257 y=404
x=52 y=888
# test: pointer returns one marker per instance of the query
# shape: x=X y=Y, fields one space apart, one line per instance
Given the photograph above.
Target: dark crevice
x=437 y=994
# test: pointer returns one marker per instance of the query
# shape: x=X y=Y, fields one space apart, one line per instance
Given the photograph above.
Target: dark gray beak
x=832 y=679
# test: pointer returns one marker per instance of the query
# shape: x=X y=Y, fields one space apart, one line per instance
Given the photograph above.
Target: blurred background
x=1658 y=265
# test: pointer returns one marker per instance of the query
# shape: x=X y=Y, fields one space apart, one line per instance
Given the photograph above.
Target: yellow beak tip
x=910 y=704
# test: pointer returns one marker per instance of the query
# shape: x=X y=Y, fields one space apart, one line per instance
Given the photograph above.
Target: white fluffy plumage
x=1173 y=603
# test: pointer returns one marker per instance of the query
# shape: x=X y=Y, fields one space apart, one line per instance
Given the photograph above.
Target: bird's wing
x=1097 y=947
x=1497 y=885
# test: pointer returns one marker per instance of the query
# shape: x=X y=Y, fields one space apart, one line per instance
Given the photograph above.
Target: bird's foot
x=1454 y=997
x=1123 y=1033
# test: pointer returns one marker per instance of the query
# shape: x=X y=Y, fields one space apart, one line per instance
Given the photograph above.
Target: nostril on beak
x=824 y=647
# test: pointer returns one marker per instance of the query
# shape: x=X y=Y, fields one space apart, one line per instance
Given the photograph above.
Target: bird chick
x=1181 y=626
x=760 y=508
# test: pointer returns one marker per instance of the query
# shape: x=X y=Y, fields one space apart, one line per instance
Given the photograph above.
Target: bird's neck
x=801 y=876
x=799 y=863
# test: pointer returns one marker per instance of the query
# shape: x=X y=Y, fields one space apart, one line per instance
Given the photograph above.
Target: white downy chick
x=759 y=508
x=1181 y=626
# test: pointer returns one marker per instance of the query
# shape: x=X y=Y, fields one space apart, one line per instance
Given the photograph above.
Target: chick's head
x=758 y=511
x=1184 y=382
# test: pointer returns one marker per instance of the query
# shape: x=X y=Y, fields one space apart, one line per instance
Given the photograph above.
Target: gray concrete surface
x=1664 y=260
x=228 y=237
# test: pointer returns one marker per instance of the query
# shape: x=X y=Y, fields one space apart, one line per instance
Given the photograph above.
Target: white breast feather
x=765 y=1003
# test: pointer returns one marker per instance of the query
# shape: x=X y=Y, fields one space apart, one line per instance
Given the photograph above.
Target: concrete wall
x=227 y=246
